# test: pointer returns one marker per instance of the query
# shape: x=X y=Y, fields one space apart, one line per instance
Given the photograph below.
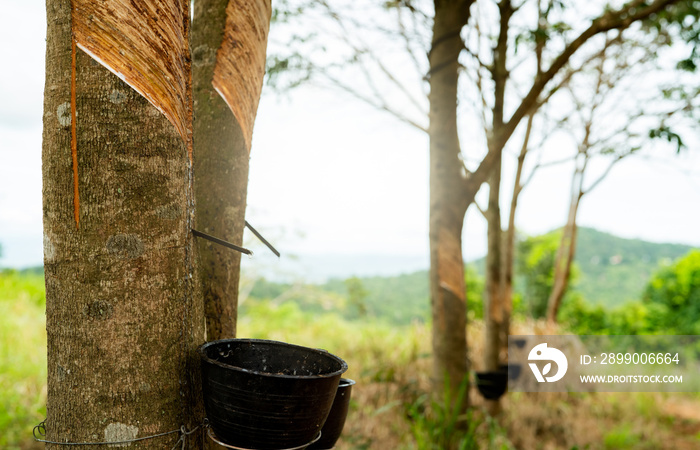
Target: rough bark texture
x=221 y=175
x=448 y=200
x=122 y=313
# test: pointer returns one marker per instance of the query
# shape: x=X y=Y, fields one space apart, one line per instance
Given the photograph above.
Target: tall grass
x=391 y=407
x=372 y=348
x=22 y=356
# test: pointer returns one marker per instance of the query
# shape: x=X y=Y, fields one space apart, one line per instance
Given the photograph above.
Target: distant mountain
x=399 y=299
x=325 y=267
x=319 y=268
x=611 y=270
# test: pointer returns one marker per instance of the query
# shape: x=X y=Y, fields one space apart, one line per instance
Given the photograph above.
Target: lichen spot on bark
x=203 y=56
x=171 y=211
x=63 y=114
x=153 y=112
x=125 y=246
x=120 y=432
x=62 y=372
x=99 y=309
x=117 y=96
x=49 y=250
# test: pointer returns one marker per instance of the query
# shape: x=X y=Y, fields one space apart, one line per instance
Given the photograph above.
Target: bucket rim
x=214 y=438
x=343 y=365
x=346 y=382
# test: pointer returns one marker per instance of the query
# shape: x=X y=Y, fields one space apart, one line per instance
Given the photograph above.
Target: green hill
x=399 y=299
x=611 y=270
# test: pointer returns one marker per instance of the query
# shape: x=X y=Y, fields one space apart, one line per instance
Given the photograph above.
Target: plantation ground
x=390 y=408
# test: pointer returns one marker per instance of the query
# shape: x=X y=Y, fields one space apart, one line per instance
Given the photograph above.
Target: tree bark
x=564 y=259
x=509 y=239
x=494 y=294
x=509 y=256
x=494 y=283
x=448 y=201
x=123 y=314
x=494 y=259
x=494 y=267
x=221 y=175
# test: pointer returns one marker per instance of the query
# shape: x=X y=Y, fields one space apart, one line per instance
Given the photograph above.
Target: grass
x=390 y=407
x=22 y=356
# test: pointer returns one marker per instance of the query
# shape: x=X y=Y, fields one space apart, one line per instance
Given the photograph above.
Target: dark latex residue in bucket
x=266 y=394
x=336 y=418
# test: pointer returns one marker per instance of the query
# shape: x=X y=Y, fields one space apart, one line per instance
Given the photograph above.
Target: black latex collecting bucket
x=266 y=394
x=336 y=418
x=492 y=385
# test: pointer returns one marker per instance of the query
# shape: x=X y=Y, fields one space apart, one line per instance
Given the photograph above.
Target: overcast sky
x=332 y=176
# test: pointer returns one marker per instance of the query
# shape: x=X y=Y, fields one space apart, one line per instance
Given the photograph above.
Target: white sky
x=331 y=176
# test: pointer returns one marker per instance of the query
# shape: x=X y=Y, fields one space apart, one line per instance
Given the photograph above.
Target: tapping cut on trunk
x=240 y=61
x=146 y=44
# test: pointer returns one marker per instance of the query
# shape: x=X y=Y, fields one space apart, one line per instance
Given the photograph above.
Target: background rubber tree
x=497 y=68
x=414 y=29
x=229 y=41
x=619 y=118
x=449 y=199
x=608 y=91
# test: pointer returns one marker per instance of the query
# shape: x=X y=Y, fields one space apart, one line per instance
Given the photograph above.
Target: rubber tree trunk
x=221 y=175
x=509 y=240
x=509 y=258
x=494 y=286
x=494 y=297
x=564 y=260
x=448 y=201
x=123 y=314
x=494 y=259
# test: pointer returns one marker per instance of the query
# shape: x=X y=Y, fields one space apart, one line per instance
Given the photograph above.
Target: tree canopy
x=675 y=290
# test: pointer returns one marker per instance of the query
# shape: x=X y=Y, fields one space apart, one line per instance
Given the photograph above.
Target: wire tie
x=39 y=432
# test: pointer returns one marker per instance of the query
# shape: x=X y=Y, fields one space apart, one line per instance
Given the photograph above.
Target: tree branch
x=479 y=76
x=602 y=176
x=364 y=49
x=407 y=41
x=481 y=210
x=500 y=70
x=381 y=105
x=610 y=20
x=518 y=186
